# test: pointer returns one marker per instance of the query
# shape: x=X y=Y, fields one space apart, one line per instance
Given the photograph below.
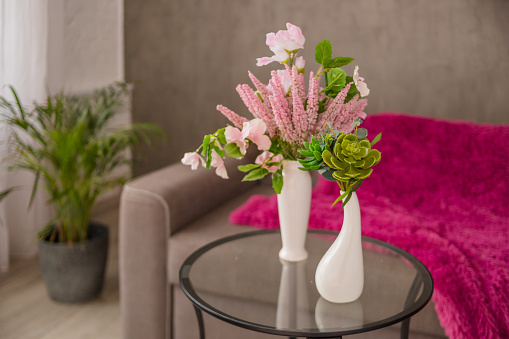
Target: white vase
x=339 y=276
x=294 y=203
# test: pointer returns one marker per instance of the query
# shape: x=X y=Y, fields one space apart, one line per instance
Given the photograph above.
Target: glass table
x=241 y=280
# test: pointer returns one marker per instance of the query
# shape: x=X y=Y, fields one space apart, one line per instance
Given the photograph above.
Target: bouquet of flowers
x=286 y=118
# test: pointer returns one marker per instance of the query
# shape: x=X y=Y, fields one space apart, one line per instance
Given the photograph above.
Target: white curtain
x=24 y=41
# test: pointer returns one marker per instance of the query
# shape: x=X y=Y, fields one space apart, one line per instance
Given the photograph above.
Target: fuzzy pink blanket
x=440 y=192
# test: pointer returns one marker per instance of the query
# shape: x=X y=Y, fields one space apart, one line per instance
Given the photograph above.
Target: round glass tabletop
x=241 y=280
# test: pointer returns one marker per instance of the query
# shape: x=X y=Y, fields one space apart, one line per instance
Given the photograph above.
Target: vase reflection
x=293 y=307
x=338 y=315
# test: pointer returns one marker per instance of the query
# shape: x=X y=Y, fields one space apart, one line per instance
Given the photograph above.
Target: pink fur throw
x=440 y=192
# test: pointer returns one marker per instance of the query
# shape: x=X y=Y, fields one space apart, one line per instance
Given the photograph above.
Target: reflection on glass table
x=241 y=280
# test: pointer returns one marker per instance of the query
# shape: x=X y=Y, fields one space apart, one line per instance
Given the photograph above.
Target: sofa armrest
x=152 y=207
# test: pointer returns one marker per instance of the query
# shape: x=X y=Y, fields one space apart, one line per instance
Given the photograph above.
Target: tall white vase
x=339 y=276
x=294 y=203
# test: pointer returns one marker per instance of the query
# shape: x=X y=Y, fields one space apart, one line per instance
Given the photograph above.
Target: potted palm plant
x=68 y=144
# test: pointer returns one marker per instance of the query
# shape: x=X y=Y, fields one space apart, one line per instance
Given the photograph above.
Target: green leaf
x=341 y=197
x=220 y=135
x=218 y=151
x=337 y=80
x=256 y=174
x=353 y=91
x=323 y=52
x=306 y=153
x=277 y=181
x=347 y=198
x=376 y=139
x=362 y=133
x=232 y=150
x=339 y=62
x=205 y=145
x=249 y=167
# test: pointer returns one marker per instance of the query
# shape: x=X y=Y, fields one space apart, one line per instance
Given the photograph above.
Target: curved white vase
x=294 y=203
x=339 y=276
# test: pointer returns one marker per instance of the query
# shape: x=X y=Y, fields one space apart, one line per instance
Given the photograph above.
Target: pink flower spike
x=234 y=135
x=236 y=119
x=256 y=133
x=286 y=80
x=193 y=159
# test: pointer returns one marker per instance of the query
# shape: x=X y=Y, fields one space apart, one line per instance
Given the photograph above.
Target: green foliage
x=345 y=158
x=277 y=181
x=335 y=76
x=256 y=174
x=323 y=52
x=232 y=150
x=336 y=80
x=339 y=62
x=353 y=91
x=69 y=146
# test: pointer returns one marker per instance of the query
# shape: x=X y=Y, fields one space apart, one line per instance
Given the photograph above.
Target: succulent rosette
x=345 y=158
x=352 y=158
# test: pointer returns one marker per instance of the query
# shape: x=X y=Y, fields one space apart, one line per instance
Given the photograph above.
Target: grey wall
x=439 y=58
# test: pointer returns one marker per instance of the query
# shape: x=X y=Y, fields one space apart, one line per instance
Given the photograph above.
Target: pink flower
x=300 y=63
x=193 y=159
x=236 y=136
x=264 y=159
x=255 y=130
x=282 y=44
x=359 y=82
x=218 y=162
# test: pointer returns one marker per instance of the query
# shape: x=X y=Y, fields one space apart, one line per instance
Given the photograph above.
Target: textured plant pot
x=75 y=273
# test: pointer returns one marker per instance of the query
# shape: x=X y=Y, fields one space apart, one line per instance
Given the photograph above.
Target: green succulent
x=352 y=158
x=344 y=158
x=313 y=152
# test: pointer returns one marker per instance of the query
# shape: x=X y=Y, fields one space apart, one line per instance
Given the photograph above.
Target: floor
x=26 y=312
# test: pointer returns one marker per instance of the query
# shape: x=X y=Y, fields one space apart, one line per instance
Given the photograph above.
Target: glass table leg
x=199 y=316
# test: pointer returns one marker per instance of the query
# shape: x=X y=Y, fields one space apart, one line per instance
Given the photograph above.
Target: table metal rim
x=420 y=303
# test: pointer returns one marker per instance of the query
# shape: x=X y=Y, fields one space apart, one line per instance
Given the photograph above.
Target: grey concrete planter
x=75 y=273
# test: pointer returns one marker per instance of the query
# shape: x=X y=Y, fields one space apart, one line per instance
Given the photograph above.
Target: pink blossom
x=300 y=63
x=359 y=82
x=282 y=44
x=255 y=131
x=236 y=136
x=218 y=162
x=193 y=159
x=263 y=159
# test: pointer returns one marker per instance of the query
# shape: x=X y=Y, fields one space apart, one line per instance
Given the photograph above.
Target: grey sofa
x=166 y=215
